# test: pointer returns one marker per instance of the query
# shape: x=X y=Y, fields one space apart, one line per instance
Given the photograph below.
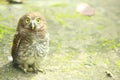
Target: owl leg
x=24 y=67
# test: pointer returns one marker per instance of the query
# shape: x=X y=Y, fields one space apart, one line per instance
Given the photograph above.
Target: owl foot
x=36 y=70
x=30 y=69
x=41 y=70
x=21 y=67
x=25 y=68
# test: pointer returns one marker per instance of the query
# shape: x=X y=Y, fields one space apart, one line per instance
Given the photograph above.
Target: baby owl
x=31 y=42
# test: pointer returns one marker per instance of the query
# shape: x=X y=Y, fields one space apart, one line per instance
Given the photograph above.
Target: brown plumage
x=31 y=42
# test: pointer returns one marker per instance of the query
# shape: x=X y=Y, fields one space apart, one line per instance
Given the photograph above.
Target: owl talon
x=25 y=70
x=30 y=69
x=21 y=67
x=36 y=70
x=42 y=71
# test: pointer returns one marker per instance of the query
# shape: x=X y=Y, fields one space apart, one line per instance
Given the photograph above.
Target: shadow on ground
x=8 y=72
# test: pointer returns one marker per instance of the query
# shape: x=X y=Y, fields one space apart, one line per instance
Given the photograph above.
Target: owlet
x=31 y=42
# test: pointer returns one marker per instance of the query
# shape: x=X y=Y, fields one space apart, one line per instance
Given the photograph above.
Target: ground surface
x=81 y=47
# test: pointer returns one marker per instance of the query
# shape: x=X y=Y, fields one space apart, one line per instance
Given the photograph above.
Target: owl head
x=32 y=22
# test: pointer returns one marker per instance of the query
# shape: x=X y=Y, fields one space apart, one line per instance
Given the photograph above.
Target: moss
x=59 y=4
x=118 y=63
x=118 y=45
x=5 y=31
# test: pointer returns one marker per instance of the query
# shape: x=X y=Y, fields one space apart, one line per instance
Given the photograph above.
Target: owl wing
x=16 y=43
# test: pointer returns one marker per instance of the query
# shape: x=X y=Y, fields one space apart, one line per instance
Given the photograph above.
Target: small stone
x=85 y=9
x=15 y=1
x=10 y=58
x=109 y=74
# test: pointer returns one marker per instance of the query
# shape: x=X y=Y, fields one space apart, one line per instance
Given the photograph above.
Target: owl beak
x=32 y=25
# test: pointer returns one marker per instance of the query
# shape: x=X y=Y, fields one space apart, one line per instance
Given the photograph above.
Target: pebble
x=10 y=58
x=85 y=9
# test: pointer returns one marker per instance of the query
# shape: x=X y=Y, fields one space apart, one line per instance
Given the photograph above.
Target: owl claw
x=42 y=71
x=25 y=70
x=36 y=70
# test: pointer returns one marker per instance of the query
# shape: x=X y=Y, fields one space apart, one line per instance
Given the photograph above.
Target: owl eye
x=38 y=20
x=27 y=20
